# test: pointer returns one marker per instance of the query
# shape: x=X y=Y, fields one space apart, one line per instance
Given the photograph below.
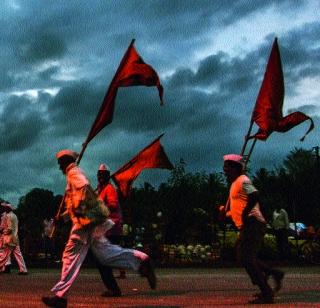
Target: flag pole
x=84 y=146
x=249 y=154
x=97 y=125
x=226 y=208
x=57 y=217
x=242 y=152
x=247 y=137
x=61 y=205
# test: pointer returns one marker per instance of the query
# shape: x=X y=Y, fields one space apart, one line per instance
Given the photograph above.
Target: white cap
x=103 y=167
x=234 y=157
x=67 y=152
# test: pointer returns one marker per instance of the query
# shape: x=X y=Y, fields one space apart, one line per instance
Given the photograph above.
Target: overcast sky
x=58 y=58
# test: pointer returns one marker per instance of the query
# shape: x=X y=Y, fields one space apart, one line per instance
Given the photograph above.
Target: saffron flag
x=132 y=71
x=267 y=113
x=152 y=156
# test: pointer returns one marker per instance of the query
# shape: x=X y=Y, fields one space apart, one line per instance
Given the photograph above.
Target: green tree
x=32 y=209
x=295 y=185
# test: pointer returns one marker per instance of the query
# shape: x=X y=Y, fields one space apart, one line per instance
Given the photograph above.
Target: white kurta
x=82 y=238
x=2 y=226
x=11 y=243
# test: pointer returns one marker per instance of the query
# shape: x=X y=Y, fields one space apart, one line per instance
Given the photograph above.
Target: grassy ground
x=209 y=287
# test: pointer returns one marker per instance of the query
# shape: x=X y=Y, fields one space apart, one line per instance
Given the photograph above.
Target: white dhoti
x=116 y=256
x=80 y=240
x=74 y=254
x=5 y=258
x=1 y=254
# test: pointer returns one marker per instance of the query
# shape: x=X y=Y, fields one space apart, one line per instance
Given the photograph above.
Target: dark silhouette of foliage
x=295 y=185
x=187 y=204
x=32 y=209
x=187 y=201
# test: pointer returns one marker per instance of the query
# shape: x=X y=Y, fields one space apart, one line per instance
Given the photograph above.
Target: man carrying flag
x=86 y=231
x=89 y=224
x=246 y=214
x=132 y=71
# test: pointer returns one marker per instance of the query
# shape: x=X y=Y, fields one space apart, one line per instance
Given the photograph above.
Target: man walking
x=246 y=214
x=10 y=241
x=89 y=224
x=108 y=194
x=7 y=269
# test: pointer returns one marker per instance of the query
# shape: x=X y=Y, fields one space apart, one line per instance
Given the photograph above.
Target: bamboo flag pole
x=89 y=137
x=132 y=71
x=250 y=152
x=247 y=137
x=227 y=206
x=57 y=217
x=61 y=205
x=84 y=146
x=242 y=153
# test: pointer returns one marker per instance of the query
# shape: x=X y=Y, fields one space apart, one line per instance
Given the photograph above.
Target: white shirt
x=10 y=231
x=76 y=182
x=280 y=219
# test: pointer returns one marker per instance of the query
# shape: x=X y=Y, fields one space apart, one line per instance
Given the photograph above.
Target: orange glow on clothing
x=239 y=191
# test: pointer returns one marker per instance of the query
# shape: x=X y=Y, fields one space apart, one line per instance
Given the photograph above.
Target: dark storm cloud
x=21 y=72
x=35 y=42
x=138 y=110
x=20 y=125
x=218 y=73
x=300 y=53
x=74 y=108
x=43 y=46
x=191 y=109
x=76 y=47
x=227 y=11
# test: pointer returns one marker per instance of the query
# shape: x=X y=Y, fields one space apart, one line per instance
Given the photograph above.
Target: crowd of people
x=97 y=226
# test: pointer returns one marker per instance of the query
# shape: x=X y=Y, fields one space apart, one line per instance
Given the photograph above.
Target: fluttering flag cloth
x=267 y=113
x=152 y=156
x=132 y=71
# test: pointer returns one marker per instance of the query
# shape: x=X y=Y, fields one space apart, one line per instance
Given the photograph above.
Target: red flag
x=132 y=71
x=267 y=113
x=152 y=156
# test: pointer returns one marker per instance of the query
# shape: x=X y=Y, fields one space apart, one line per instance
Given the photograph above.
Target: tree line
x=184 y=209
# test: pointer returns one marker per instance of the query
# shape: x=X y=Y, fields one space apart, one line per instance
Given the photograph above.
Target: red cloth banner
x=132 y=71
x=152 y=156
x=267 y=113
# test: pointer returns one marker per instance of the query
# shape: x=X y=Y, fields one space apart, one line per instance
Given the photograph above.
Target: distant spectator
x=280 y=224
x=7 y=268
x=11 y=240
x=48 y=243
